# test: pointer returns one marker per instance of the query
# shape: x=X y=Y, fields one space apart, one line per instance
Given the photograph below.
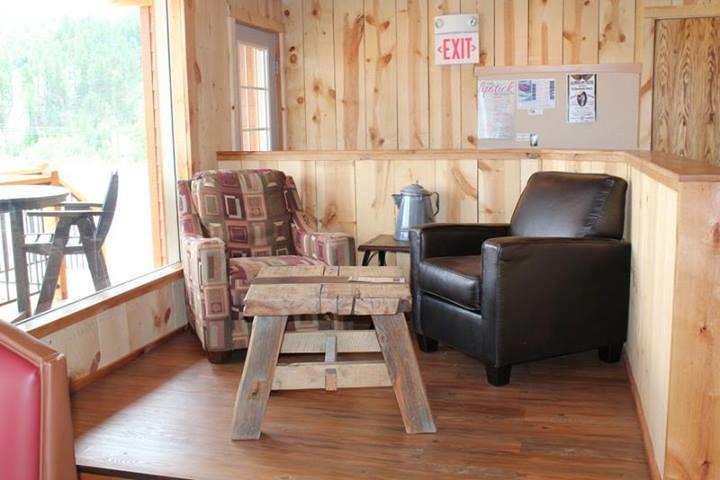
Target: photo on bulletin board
x=582 y=98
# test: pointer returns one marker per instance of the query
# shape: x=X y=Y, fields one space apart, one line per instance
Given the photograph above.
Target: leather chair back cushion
x=247 y=209
x=575 y=205
x=20 y=391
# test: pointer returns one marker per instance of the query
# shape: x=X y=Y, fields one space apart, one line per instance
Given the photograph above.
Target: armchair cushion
x=246 y=209
x=578 y=205
x=455 y=279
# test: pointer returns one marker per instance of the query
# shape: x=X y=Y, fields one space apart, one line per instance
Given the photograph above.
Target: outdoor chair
x=60 y=243
x=233 y=223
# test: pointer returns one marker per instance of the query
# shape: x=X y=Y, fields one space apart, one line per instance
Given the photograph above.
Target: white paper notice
x=536 y=95
x=582 y=98
x=496 y=109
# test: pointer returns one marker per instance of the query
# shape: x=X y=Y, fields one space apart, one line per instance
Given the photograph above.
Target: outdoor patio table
x=15 y=199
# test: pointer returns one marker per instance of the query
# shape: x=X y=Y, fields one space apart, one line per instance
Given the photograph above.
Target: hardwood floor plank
x=169 y=414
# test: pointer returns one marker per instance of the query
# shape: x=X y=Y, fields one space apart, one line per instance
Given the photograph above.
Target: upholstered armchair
x=555 y=280
x=233 y=223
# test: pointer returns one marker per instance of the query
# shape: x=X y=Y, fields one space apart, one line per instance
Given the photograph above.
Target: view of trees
x=72 y=90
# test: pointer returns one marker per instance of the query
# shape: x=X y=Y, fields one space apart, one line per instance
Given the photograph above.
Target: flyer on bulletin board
x=496 y=109
x=536 y=95
x=582 y=98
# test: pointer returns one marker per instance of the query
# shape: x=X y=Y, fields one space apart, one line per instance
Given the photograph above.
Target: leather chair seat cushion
x=456 y=279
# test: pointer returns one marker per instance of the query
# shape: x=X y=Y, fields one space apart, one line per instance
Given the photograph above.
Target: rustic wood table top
x=308 y=289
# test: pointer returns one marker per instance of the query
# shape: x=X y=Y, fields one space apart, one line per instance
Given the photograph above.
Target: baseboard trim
x=640 y=412
x=82 y=382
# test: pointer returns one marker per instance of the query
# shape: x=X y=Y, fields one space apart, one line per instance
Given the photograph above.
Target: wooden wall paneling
x=499 y=184
x=545 y=32
x=456 y=182
x=616 y=31
x=468 y=80
x=686 y=85
x=210 y=127
x=445 y=88
x=349 y=23
x=412 y=74
x=580 y=31
x=374 y=185
x=693 y=446
x=336 y=196
x=381 y=74
x=319 y=75
x=293 y=59
x=645 y=54
x=527 y=168
x=653 y=238
x=304 y=175
x=511 y=32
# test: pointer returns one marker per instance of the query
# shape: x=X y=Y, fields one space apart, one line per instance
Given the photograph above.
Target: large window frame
x=160 y=102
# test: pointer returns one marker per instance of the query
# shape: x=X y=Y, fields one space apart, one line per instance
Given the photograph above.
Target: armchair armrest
x=452 y=239
x=548 y=296
x=206 y=283
x=333 y=248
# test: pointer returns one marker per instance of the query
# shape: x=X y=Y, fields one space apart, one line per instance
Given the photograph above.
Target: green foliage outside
x=72 y=91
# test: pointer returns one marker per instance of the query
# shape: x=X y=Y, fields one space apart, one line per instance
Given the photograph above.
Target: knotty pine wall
x=359 y=74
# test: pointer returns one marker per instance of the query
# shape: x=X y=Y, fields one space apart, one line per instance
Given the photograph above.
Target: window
x=256 y=89
x=85 y=92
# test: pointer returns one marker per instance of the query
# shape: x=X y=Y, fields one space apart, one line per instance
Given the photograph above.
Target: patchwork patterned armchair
x=233 y=223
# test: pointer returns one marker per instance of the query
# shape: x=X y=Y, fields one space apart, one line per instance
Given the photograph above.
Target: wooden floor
x=167 y=415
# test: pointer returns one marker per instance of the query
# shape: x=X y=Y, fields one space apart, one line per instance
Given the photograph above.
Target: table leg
x=257 y=377
x=22 y=286
x=394 y=339
x=366 y=258
x=381 y=258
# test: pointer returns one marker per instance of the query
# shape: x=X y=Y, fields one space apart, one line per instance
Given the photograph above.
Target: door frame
x=276 y=76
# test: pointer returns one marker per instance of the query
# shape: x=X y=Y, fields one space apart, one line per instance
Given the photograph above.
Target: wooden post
x=394 y=338
x=257 y=377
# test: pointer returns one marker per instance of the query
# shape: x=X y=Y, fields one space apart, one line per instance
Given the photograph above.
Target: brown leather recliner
x=36 y=436
x=554 y=281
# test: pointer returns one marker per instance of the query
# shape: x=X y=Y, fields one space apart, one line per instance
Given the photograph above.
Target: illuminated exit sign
x=457 y=39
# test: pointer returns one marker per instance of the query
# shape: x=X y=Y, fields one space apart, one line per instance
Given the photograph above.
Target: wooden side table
x=380 y=245
x=277 y=292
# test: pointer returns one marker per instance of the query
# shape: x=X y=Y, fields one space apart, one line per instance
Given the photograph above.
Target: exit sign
x=457 y=39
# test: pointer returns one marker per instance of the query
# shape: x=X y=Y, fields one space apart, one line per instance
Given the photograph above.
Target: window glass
x=80 y=100
x=255 y=63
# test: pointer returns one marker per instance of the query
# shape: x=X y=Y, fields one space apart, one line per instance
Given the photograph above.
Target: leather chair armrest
x=452 y=239
x=548 y=296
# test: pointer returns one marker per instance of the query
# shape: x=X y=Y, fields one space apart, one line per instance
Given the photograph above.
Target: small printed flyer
x=496 y=109
x=582 y=98
x=536 y=95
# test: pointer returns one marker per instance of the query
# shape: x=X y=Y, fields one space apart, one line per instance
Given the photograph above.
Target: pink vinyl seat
x=36 y=439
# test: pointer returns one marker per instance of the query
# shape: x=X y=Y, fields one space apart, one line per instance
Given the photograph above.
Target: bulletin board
x=617 y=108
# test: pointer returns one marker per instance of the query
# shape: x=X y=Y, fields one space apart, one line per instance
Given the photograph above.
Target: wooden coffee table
x=381 y=292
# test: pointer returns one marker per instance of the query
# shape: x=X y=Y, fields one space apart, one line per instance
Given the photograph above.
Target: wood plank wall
x=203 y=116
x=687 y=82
x=380 y=88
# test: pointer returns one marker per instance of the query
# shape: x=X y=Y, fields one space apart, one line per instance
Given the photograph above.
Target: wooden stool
x=277 y=292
